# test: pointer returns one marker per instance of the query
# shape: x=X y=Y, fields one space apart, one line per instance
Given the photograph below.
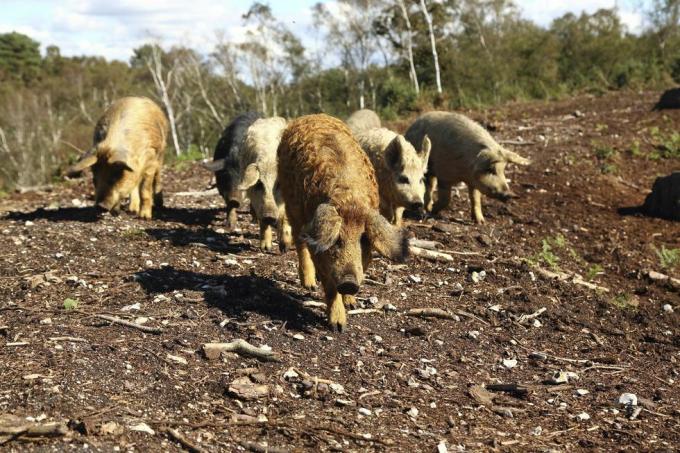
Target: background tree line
x=393 y=56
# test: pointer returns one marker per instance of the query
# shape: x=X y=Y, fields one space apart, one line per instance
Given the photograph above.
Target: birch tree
x=433 y=45
x=409 y=46
x=163 y=82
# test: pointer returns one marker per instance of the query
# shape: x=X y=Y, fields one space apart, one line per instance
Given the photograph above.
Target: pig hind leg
x=443 y=196
x=158 y=187
x=305 y=266
x=476 y=205
x=146 y=196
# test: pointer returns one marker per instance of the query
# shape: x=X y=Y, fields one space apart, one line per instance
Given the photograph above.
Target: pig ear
x=323 y=230
x=394 y=153
x=425 y=149
x=88 y=159
x=119 y=156
x=386 y=239
x=515 y=158
x=250 y=177
x=215 y=165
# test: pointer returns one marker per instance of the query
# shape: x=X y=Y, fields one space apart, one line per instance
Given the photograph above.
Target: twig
x=72 y=339
x=430 y=254
x=239 y=346
x=470 y=315
x=362 y=311
x=524 y=318
x=431 y=313
x=122 y=322
x=186 y=443
x=424 y=244
x=259 y=448
x=517 y=143
x=563 y=276
x=199 y=193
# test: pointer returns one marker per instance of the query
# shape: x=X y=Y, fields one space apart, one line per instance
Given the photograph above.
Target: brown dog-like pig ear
x=88 y=159
x=323 y=230
x=215 y=165
x=515 y=158
x=394 y=154
x=119 y=157
x=386 y=239
x=250 y=177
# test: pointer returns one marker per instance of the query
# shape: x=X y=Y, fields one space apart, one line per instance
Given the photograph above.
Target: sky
x=112 y=28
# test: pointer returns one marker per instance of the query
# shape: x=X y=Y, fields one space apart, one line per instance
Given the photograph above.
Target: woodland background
x=394 y=56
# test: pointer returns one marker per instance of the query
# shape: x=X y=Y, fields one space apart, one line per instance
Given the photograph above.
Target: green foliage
x=395 y=97
x=192 y=154
x=668 y=258
x=133 y=233
x=667 y=144
x=19 y=57
x=71 y=304
x=603 y=152
x=594 y=271
x=624 y=301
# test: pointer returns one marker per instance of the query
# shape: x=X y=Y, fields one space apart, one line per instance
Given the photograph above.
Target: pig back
x=319 y=162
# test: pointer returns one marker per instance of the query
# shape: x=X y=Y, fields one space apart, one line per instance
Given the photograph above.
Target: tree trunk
x=409 y=47
x=433 y=43
x=156 y=69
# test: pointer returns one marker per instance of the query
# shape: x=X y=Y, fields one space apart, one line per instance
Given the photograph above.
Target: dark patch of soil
x=412 y=377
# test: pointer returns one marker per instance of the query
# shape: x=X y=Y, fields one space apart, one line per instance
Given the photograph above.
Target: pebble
x=537 y=431
x=299 y=336
x=365 y=412
x=473 y=334
x=510 y=363
x=389 y=307
x=457 y=289
x=628 y=399
x=413 y=412
x=477 y=277
x=46 y=321
x=327 y=338
x=583 y=416
x=582 y=392
x=143 y=428
x=372 y=300
x=668 y=308
x=415 y=278
x=538 y=356
x=377 y=339
x=341 y=402
x=441 y=447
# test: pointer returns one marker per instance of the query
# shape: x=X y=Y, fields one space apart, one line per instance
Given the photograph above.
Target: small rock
x=582 y=392
x=372 y=301
x=327 y=338
x=578 y=113
x=457 y=289
x=365 y=412
x=77 y=202
x=415 y=278
x=537 y=431
x=559 y=377
x=416 y=331
x=628 y=399
x=135 y=306
x=337 y=388
x=536 y=323
x=243 y=388
x=389 y=307
x=177 y=359
x=142 y=428
x=582 y=417
x=413 y=412
x=341 y=402
x=538 y=356
x=444 y=228
x=473 y=334
x=141 y=320
x=291 y=375
x=484 y=240
x=299 y=336
x=441 y=447
x=477 y=277
x=47 y=321
x=510 y=363
x=377 y=339
x=668 y=308
x=110 y=429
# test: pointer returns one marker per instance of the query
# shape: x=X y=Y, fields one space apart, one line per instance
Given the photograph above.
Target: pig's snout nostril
x=417 y=206
x=348 y=285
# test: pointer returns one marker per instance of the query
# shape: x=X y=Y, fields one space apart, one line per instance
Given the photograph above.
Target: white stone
x=628 y=399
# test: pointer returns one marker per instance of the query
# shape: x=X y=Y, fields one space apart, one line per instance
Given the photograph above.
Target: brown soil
x=201 y=285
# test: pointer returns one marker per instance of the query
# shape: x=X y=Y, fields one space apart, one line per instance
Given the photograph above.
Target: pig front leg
x=398 y=215
x=305 y=266
x=146 y=196
x=335 y=307
x=232 y=217
x=285 y=234
x=443 y=196
x=133 y=207
x=476 y=205
x=265 y=237
x=430 y=188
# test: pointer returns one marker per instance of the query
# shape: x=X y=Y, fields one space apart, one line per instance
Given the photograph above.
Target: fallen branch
x=432 y=313
x=563 y=277
x=213 y=350
x=186 y=443
x=15 y=427
x=313 y=303
x=525 y=318
x=363 y=311
x=72 y=339
x=430 y=254
x=122 y=322
x=424 y=244
x=197 y=193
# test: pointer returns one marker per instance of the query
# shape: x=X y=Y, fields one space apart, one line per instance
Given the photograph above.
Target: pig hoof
x=349 y=301
x=337 y=327
x=265 y=247
x=146 y=215
x=283 y=247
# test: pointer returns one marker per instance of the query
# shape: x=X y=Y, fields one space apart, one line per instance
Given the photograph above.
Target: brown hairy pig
x=331 y=196
x=127 y=156
x=363 y=120
x=258 y=169
x=226 y=163
x=462 y=150
x=400 y=170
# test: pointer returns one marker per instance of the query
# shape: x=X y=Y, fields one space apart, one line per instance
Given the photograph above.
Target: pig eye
x=403 y=179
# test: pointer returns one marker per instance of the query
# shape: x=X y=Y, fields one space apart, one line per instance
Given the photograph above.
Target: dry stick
x=259 y=448
x=470 y=315
x=362 y=311
x=73 y=339
x=430 y=254
x=28 y=430
x=424 y=244
x=516 y=143
x=239 y=346
x=122 y=322
x=186 y=443
x=430 y=313
x=199 y=193
x=562 y=276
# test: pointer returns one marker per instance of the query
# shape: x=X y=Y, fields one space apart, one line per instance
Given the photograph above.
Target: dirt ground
x=392 y=382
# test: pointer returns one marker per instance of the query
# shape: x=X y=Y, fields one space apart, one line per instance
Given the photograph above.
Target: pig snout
x=348 y=284
x=505 y=196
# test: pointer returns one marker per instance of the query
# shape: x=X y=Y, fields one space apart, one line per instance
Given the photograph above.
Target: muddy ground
x=392 y=382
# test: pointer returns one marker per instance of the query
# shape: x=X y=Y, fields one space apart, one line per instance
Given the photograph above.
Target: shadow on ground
x=87 y=215
x=186 y=216
x=236 y=296
x=181 y=237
